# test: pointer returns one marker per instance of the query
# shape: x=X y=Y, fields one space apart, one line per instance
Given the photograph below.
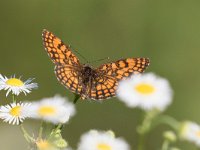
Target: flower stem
x=76 y=98
x=14 y=98
x=151 y=120
x=168 y=120
x=56 y=130
x=28 y=138
x=141 y=142
x=147 y=122
x=165 y=145
x=145 y=127
x=41 y=130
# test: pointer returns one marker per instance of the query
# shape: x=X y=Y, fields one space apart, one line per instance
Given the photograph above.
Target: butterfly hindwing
x=69 y=77
x=103 y=87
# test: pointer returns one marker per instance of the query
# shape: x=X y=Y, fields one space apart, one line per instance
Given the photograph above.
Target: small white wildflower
x=146 y=91
x=190 y=131
x=55 y=109
x=101 y=140
x=14 y=113
x=16 y=86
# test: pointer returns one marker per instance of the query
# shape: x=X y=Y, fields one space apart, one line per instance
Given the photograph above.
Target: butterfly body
x=90 y=83
x=87 y=75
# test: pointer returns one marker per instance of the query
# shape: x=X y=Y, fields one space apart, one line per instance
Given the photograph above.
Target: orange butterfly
x=92 y=83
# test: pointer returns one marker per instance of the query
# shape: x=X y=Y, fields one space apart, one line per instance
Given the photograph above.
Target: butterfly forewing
x=105 y=84
x=67 y=64
x=58 y=52
x=124 y=68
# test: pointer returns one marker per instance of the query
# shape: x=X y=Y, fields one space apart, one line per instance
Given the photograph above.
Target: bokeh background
x=167 y=31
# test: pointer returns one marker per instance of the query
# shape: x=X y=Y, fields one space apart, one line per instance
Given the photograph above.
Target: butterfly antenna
x=78 y=53
x=102 y=59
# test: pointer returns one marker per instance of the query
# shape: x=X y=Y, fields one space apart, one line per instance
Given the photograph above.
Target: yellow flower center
x=103 y=146
x=43 y=145
x=14 y=82
x=15 y=111
x=144 y=88
x=46 y=110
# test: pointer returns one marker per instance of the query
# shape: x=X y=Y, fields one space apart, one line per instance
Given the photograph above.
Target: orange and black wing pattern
x=103 y=87
x=105 y=84
x=59 y=53
x=67 y=67
x=100 y=85
x=69 y=77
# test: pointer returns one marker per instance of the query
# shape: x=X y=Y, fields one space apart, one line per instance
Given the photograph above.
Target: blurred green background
x=166 y=31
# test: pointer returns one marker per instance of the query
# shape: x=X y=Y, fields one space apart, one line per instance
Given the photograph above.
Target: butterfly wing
x=67 y=67
x=69 y=77
x=59 y=53
x=104 y=85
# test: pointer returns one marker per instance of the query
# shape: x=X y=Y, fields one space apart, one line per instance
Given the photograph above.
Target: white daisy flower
x=101 y=140
x=56 y=109
x=14 y=113
x=190 y=131
x=146 y=91
x=16 y=86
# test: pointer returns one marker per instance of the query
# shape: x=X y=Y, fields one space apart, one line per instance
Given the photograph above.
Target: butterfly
x=89 y=83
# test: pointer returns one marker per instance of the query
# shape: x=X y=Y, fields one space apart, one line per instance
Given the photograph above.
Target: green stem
x=150 y=121
x=58 y=127
x=147 y=122
x=55 y=130
x=76 y=98
x=14 y=98
x=141 y=142
x=165 y=145
x=168 y=120
x=28 y=138
x=145 y=127
x=41 y=130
